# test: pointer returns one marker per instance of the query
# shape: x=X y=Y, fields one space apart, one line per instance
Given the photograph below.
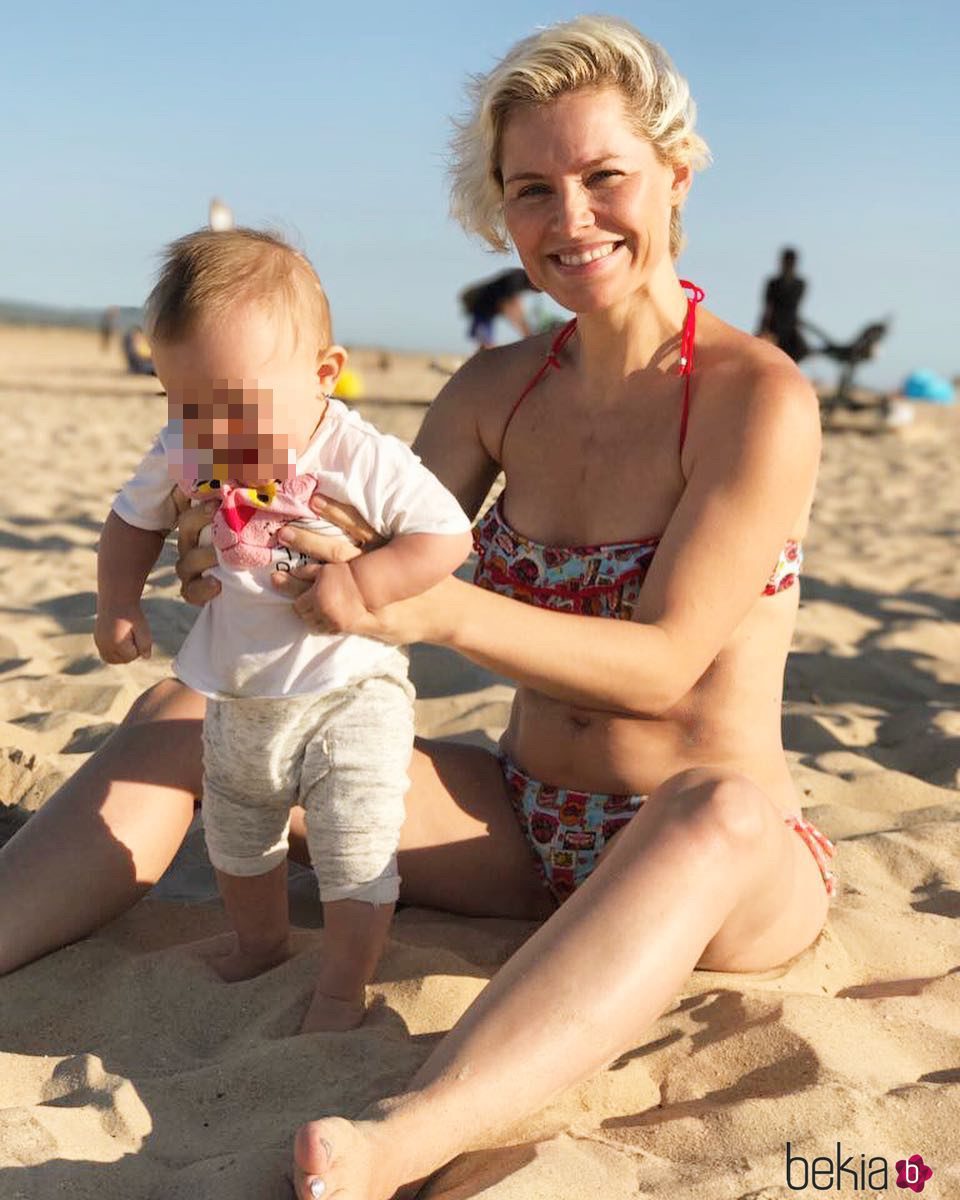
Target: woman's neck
x=641 y=333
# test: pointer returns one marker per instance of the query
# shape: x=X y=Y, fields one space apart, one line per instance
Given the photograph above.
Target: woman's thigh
x=461 y=847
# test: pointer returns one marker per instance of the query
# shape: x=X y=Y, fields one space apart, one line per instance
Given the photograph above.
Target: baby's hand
x=123 y=635
x=334 y=604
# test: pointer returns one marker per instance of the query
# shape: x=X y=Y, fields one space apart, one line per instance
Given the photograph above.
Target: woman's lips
x=588 y=260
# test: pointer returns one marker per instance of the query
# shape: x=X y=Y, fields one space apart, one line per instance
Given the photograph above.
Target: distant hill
x=13 y=312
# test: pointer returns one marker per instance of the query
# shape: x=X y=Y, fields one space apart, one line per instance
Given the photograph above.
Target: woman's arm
x=594 y=662
x=407 y=565
x=450 y=442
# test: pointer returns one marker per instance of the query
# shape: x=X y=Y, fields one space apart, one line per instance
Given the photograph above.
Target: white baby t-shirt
x=248 y=641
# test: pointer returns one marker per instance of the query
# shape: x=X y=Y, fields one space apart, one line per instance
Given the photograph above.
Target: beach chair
x=849 y=356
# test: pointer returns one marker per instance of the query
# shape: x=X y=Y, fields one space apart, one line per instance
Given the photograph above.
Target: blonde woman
x=638 y=580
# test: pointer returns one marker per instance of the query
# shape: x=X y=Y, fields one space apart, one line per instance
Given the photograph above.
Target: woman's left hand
x=328 y=602
x=326 y=607
x=332 y=603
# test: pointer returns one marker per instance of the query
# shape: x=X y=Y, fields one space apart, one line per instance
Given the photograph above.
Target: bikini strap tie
x=687 y=339
x=689 y=326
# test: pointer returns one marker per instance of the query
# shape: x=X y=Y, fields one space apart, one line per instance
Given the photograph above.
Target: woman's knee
x=159 y=741
x=717 y=805
x=167 y=700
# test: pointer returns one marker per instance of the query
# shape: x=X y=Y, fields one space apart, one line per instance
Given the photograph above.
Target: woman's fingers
x=200 y=589
x=195 y=587
x=194 y=562
x=348 y=519
x=192 y=558
x=181 y=501
x=295 y=583
x=190 y=523
x=322 y=546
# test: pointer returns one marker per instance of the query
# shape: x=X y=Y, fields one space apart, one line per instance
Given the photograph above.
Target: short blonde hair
x=588 y=52
x=204 y=275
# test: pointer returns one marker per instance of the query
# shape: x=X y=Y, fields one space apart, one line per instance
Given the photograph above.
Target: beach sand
x=128 y=1070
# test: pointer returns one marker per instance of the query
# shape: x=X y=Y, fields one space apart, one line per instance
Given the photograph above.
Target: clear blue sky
x=833 y=127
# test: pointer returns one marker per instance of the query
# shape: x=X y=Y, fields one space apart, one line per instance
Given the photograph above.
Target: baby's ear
x=329 y=365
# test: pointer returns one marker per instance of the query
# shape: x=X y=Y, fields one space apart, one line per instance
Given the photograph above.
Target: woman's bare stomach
x=602 y=752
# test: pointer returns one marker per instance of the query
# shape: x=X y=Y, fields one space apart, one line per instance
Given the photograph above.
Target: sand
x=128 y=1070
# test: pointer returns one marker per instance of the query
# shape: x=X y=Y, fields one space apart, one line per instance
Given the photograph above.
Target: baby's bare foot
x=233 y=962
x=351 y=1160
x=332 y=1014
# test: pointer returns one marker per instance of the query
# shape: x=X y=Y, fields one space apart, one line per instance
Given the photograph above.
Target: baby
x=241 y=338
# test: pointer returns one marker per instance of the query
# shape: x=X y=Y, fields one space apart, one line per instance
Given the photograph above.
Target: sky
x=833 y=127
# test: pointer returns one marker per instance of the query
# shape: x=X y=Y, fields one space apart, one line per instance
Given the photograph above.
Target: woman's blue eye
x=533 y=189
x=603 y=176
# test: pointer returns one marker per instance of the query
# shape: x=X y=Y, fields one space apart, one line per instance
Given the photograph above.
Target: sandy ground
x=128 y=1070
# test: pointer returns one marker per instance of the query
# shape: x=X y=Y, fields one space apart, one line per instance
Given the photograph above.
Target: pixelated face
x=243 y=397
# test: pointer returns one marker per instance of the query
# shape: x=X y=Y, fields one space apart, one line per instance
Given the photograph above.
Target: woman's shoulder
x=736 y=372
x=489 y=383
x=502 y=370
x=749 y=402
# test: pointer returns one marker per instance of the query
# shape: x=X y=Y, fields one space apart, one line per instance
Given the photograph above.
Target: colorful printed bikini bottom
x=567 y=829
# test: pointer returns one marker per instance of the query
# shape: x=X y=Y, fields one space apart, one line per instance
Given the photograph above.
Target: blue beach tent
x=929 y=386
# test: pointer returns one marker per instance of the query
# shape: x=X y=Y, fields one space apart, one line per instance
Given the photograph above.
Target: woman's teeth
x=578 y=260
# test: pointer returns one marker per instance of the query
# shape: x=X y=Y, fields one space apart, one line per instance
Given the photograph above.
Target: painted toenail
x=317 y=1188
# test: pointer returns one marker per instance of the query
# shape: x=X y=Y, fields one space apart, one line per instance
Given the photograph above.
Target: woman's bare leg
x=707 y=872
x=108 y=834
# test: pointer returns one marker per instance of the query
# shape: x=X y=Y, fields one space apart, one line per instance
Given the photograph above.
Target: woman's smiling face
x=586 y=199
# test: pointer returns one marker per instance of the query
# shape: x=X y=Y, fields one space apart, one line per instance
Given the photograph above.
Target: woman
x=660 y=467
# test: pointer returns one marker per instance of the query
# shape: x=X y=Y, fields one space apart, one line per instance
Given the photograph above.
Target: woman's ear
x=682 y=180
x=331 y=363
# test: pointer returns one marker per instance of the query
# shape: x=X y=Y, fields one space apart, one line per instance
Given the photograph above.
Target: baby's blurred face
x=244 y=396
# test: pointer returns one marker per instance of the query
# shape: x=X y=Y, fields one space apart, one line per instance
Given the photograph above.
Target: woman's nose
x=573 y=210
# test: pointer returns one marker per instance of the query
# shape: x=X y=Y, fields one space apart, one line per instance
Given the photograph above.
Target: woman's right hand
x=192 y=558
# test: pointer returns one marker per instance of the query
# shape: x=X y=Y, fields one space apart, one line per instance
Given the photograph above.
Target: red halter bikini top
x=602 y=580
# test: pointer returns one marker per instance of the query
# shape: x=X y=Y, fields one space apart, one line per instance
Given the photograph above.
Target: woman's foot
x=351 y=1160
x=333 y=1014
x=233 y=962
